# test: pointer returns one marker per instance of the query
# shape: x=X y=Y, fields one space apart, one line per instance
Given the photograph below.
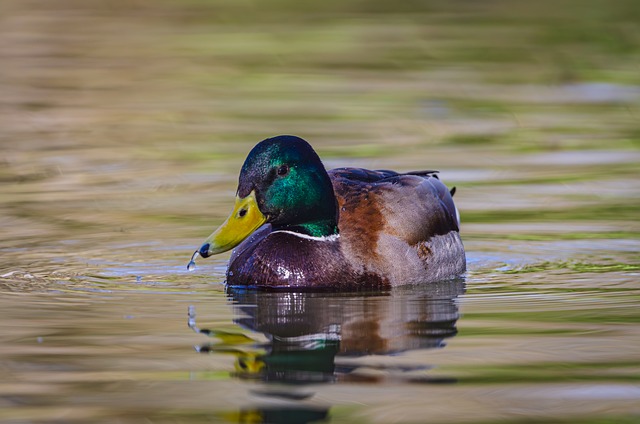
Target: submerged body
x=298 y=226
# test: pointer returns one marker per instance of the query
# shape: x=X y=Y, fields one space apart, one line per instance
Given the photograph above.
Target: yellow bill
x=244 y=220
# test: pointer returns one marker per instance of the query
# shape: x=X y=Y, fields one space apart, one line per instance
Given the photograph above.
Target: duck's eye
x=283 y=170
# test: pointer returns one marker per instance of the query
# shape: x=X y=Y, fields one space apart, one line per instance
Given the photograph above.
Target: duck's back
x=403 y=226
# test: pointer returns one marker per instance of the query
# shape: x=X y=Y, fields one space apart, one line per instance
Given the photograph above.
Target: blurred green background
x=112 y=106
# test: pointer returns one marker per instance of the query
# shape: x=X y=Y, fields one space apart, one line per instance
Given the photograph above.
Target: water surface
x=123 y=126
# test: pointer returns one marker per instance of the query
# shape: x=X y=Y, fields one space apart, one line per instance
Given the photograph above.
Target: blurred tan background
x=130 y=119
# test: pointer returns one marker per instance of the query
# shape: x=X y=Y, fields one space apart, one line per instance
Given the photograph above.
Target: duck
x=297 y=226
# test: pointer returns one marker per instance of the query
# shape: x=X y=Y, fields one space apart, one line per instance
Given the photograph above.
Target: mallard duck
x=296 y=225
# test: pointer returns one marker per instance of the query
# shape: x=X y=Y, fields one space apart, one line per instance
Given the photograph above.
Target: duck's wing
x=403 y=226
x=369 y=176
x=412 y=206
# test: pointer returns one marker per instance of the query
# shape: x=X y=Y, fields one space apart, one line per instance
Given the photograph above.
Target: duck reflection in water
x=318 y=337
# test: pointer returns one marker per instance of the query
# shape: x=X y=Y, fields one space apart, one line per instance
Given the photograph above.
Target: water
x=192 y=262
x=123 y=127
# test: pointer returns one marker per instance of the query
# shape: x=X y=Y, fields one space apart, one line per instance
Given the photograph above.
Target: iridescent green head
x=292 y=187
x=282 y=182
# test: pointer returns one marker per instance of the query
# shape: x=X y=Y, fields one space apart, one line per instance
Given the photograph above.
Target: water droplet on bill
x=192 y=263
